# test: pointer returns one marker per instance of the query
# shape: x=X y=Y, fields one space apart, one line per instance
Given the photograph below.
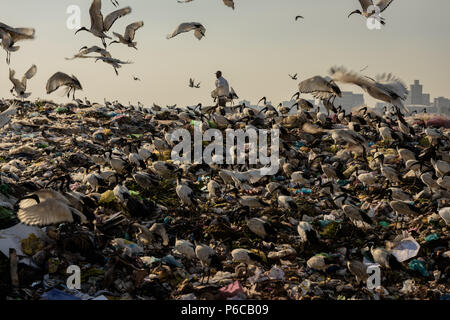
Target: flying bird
x=115 y=63
x=10 y=36
x=199 y=30
x=128 y=37
x=136 y=78
x=193 y=85
x=229 y=3
x=47 y=207
x=299 y=17
x=386 y=87
x=294 y=77
x=85 y=51
x=321 y=88
x=99 y=25
x=370 y=9
x=61 y=79
x=21 y=86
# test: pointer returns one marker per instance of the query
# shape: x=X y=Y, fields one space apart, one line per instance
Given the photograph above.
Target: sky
x=256 y=46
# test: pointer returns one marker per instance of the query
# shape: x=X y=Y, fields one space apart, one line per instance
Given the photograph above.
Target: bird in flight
x=294 y=77
x=61 y=79
x=199 y=30
x=370 y=9
x=193 y=85
x=299 y=17
x=20 y=86
x=136 y=78
x=128 y=37
x=386 y=87
x=99 y=25
x=85 y=51
x=10 y=36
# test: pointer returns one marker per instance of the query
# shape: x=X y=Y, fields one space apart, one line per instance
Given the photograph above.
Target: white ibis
x=198 y=28
x=10 y=36
x=386 y=87
x=61 y=79
x=369 y=8
x=128 y=37
x=99 y=25
x=20 y=86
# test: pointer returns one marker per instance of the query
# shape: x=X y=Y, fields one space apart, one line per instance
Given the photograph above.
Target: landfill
x=141 y=226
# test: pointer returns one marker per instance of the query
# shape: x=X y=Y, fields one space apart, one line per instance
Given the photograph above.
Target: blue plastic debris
x=167 y=220
x=299 y=144
x=55 y=294
x=306 y=191
x=170 y=260
x=324 y=223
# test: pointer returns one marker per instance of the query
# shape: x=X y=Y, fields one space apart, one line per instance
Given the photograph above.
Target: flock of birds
x=397 y=180
x=99 y=28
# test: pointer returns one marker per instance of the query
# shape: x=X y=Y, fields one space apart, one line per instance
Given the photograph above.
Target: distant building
x=426 y=99
x=416 y=96
x=442 y=105
x=349 y=100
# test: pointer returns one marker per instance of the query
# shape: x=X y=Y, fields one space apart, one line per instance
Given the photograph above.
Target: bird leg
x=209 y=274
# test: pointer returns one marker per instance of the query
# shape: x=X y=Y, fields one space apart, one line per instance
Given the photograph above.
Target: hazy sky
x=255 y=46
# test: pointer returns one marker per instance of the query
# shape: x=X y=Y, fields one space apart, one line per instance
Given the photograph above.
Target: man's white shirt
x=222 y=87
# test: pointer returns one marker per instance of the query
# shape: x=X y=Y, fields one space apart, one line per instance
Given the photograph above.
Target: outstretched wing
x=189 y=26
x=95 y=11
x=365 y=4
x=16 y=82
x=30 y=73
x=317 y=86
x=131 y=30
x=47 y=212
x=343 y=75
x=393 y=85
x=383 y=4
x=57 y=80
x=112 y=17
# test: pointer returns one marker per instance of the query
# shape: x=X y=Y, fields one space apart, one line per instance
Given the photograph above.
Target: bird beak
x=356 y=11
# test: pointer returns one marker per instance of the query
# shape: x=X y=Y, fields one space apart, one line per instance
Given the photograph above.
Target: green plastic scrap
x=432 y=237
x=384 y=224
x=417 y=265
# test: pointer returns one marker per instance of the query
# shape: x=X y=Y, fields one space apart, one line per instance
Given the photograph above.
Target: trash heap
x=318 y=225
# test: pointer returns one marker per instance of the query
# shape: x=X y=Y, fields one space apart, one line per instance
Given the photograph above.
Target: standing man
x=222 y=90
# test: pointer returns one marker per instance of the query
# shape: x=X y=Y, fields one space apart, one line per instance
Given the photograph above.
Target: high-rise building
x=442 y=105
x=426 y=99
x=416 y=93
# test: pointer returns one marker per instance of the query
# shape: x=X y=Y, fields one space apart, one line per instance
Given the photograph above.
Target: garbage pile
x=92 y=187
